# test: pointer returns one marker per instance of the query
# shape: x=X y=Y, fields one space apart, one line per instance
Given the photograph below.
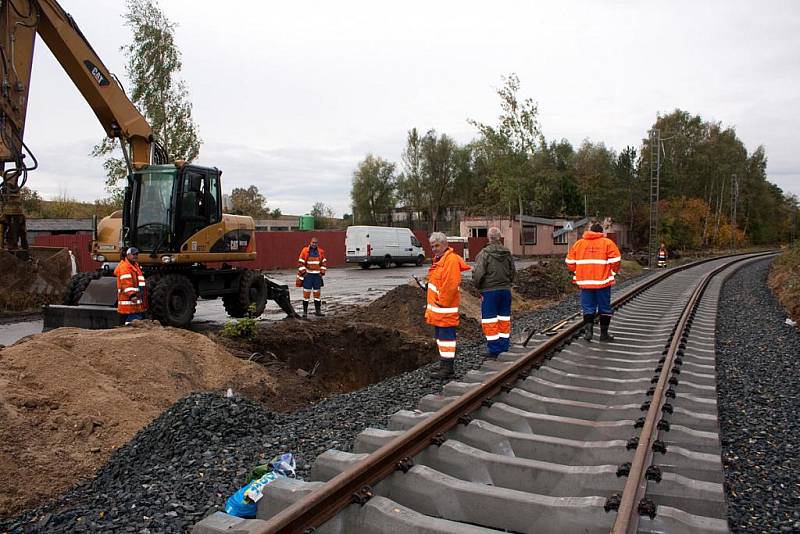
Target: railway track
x=561 y=435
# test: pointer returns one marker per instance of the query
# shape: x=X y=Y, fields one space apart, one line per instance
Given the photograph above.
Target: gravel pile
x=183 y=466
x=758 y=361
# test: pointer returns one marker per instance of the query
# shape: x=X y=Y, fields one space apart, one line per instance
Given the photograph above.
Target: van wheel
x=420 y=260
x=386 y=263
x=365 y=265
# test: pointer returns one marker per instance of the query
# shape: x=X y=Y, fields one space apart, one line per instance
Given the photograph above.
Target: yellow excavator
x=172 y=210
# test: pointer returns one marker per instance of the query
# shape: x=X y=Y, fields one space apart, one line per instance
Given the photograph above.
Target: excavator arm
x=20 y=21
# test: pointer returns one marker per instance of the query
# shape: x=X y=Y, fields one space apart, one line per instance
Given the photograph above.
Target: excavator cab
x=169 y=204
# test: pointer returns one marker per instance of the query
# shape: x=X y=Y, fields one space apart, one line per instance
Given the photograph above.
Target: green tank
x=306 y=222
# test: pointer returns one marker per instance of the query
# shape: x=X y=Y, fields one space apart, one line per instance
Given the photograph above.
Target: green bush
x=244 y=327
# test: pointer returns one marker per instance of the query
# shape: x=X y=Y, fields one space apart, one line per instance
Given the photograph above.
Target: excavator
x=172 y=210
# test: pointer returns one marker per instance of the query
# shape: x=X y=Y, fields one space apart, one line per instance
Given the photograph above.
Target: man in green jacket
x=492 y=275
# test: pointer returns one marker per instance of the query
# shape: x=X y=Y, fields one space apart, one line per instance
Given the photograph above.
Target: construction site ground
x=70 y=397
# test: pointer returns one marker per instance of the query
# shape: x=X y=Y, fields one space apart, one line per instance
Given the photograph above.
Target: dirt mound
x=784 y=280
x=31 y=282
x=545 y=280
x=70 y=396
x=403 y=308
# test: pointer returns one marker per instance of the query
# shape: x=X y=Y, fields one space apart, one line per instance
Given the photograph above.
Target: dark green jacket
x=494 y=268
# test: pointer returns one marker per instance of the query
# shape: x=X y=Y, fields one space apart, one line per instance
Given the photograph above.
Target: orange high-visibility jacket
x=130 y=280
x=595 y=260
x=313 y=265
x=444 y=292
x=662 y=254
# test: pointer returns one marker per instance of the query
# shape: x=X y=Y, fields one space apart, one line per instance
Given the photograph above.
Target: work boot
x=588 y=326
x=605 y=320
x=305 y=309
x=445 y=369
x=318 y=308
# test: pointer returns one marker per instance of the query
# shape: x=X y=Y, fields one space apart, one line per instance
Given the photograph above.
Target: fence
x=276 y=250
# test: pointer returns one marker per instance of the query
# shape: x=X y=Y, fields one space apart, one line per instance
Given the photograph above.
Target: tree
x=594 y=174
x=249 y=202
x=509 y=146
x=439 y=165
x=374 y=189
x=154 y=62
x=31 y=201
x=410 y=187
x=323 y=215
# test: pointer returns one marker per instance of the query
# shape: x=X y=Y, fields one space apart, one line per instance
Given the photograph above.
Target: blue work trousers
x=446 y=341
x=496 y=319
x=594 y=300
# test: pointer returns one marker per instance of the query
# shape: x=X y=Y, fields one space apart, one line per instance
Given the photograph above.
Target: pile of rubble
x=549 y=280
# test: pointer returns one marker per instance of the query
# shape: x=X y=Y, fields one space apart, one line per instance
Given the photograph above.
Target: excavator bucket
x=96 y=309
x=280 y=294
x=34 y=277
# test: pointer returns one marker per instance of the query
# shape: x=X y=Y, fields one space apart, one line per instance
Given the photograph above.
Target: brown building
x=540 y=236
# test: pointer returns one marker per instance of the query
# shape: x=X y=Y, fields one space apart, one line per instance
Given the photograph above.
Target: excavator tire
x=77 y=285
x=173 y=300
x=252 y=291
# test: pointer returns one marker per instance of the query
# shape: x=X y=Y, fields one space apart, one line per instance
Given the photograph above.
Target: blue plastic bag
x=236 y=505
x=243 y=502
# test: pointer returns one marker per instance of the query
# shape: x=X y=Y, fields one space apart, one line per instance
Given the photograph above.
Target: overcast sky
x=290 y=96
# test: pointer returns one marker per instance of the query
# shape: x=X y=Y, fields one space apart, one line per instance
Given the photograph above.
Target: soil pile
x=69 y=397
x=545 y=280
x=784 y=280
x=29 y=283
x=403 y=308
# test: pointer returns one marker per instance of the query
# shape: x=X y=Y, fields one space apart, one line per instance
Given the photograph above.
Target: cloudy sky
x=290 y=96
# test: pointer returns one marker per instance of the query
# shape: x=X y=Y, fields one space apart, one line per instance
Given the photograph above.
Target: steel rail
x=628 y=513
x=638 y=289
x=354 y=485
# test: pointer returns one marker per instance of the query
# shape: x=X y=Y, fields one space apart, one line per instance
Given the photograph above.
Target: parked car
x=382 y=246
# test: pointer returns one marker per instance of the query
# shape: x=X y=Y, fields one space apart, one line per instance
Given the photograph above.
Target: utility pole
x=734 y=200
x=655 y=176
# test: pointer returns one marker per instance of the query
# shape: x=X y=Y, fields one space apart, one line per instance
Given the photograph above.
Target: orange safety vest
x=444 y=289
x=315 y=265
x=662 y=254
x=130 y=280
x=595 y=260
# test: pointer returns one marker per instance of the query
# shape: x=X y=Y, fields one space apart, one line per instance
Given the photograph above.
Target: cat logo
x=96 y=73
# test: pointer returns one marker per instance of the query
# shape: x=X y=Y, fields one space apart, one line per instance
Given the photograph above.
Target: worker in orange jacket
x=131 y=287
x=595 y=260
x=443 y=293
x=311 y=267
x=662 y=255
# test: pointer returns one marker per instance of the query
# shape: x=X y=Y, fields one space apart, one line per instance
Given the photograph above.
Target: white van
x=382 y=245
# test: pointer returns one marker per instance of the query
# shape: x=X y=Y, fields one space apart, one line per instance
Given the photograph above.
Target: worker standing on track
x=131 y=287
x=444 y=296
x=662 y=255
x=492 y=276
x=595 y=260
x=310 y=270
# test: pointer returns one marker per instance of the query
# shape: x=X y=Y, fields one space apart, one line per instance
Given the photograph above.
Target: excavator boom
x=20 y=21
